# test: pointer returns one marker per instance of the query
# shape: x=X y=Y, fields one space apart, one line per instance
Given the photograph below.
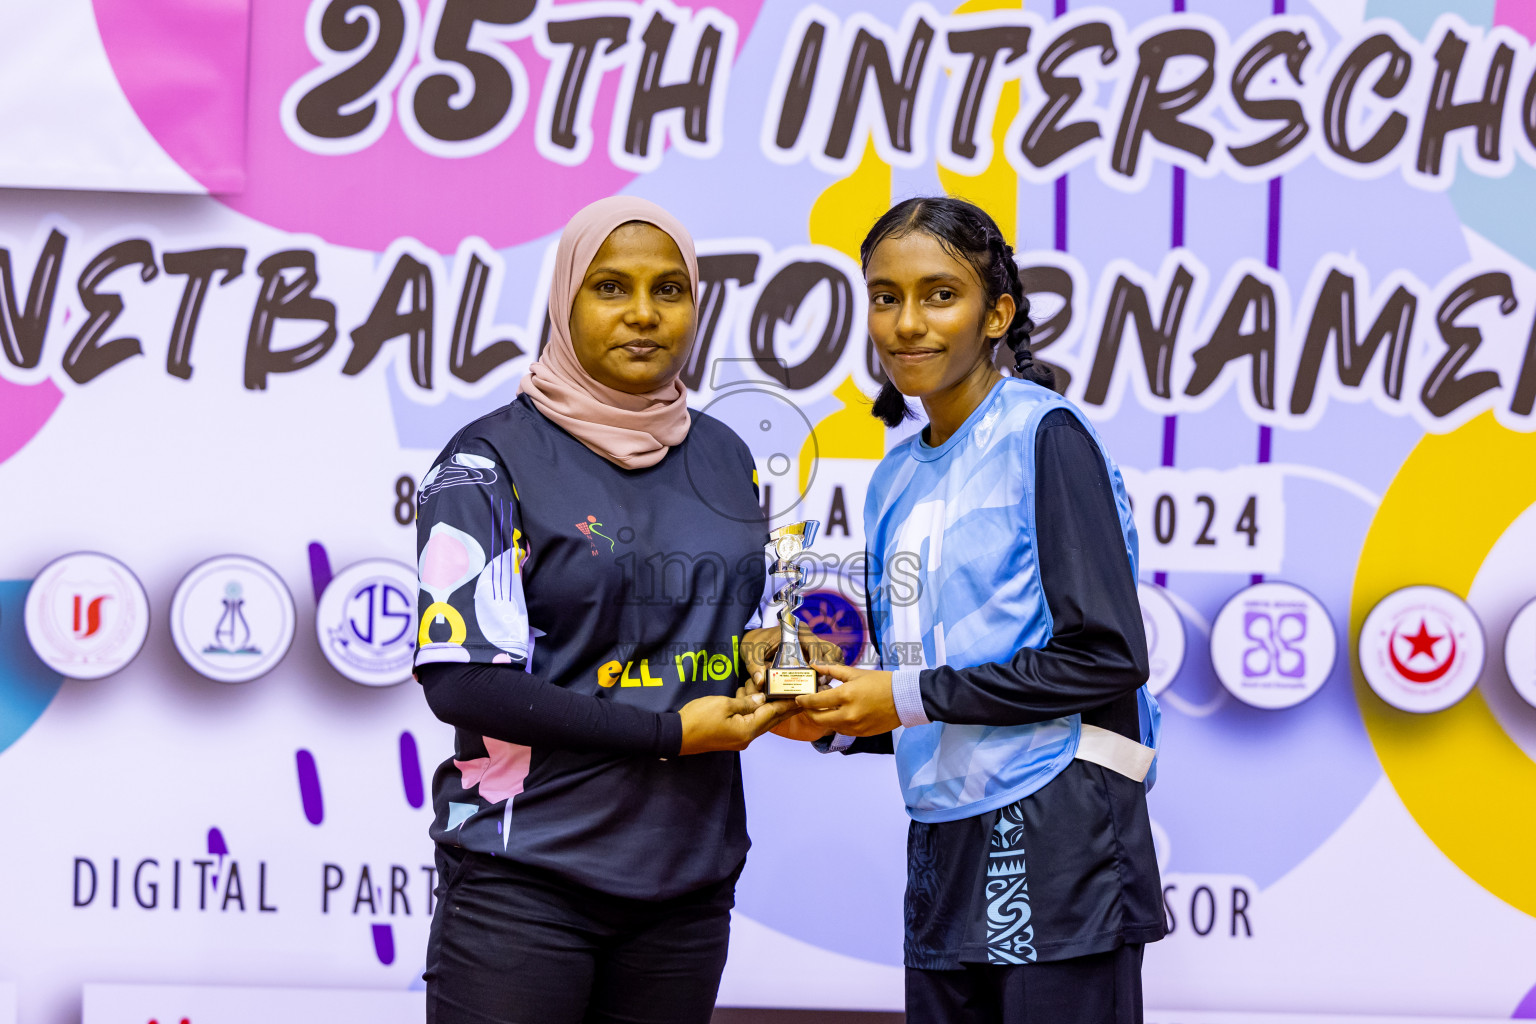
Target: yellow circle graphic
x=441 y=609
x=1466 y=783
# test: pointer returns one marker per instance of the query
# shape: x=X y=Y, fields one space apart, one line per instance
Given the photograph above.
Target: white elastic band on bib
x=1115 y=752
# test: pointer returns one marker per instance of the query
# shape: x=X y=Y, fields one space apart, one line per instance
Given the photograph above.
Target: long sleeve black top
x=509 y=704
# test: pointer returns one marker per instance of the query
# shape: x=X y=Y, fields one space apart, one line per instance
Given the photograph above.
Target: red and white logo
x=86 y=615
x=1421 y=649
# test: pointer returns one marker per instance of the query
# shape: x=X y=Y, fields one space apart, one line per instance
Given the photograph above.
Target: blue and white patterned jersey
x=954 y=567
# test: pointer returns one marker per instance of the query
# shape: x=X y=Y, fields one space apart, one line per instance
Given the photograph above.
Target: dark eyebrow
x=616 y=272
x=608 y=271
x=929 y=279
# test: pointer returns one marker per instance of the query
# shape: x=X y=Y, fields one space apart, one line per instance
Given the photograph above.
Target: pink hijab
x=631 y=431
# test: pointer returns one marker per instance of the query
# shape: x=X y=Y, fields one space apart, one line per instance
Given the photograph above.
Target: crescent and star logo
x=1421 y=645
x=1421 y=649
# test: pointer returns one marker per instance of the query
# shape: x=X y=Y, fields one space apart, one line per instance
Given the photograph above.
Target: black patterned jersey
x=622 y=585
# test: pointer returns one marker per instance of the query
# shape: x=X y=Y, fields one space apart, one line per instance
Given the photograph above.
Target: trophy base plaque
x=789 y=683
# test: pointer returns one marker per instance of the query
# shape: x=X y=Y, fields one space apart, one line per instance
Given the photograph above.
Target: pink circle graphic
x=1520 y=16
x=181 y=64
x=444 y=561
x=27 y=408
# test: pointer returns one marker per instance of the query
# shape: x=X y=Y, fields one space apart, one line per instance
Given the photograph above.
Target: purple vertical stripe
x=410 y=770
x=1266 y=437
x=319 y=569
x=1061 y=182
x=1271 y=260
x=309 y=787
x=1177 y=235
x=1061 y=214
x=384 y=943
x=1279 y=6
x=1175 y=241
x=1272 y=251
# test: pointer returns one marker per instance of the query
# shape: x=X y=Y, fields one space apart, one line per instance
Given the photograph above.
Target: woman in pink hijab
x=590 y=556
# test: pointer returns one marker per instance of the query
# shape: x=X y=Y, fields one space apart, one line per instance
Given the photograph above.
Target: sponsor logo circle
x=1273 y=645
x=1421 y=649
x=366 y=622
x=86 y=615
x=232 y=619
x=1165 y=636
x=1520 y=652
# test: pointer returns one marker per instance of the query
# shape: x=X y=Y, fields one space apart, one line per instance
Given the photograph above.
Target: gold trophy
x=790 y=675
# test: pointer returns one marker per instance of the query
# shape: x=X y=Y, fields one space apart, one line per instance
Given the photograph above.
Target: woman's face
x=633 y=317
x=928 y=314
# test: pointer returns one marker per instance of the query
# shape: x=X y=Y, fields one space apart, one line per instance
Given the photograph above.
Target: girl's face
x=929 y=316
x=632 y=320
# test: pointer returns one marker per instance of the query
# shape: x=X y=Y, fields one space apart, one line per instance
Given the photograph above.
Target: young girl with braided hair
x=1024 y=737
x=999 y=276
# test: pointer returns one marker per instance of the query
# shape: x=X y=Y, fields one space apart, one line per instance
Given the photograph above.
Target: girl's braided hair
x=966 y=232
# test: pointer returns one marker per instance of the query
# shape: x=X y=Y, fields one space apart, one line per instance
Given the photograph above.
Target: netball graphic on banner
x=259 y=261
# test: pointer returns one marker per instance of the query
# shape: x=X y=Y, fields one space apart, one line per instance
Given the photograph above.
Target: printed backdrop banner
x=1284 y=255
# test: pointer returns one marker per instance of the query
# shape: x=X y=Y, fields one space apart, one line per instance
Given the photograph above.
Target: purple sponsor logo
x=1274 y=649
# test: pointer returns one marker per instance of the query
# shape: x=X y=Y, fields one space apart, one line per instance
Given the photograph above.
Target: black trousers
x=1103 y=988
x=511 y=944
